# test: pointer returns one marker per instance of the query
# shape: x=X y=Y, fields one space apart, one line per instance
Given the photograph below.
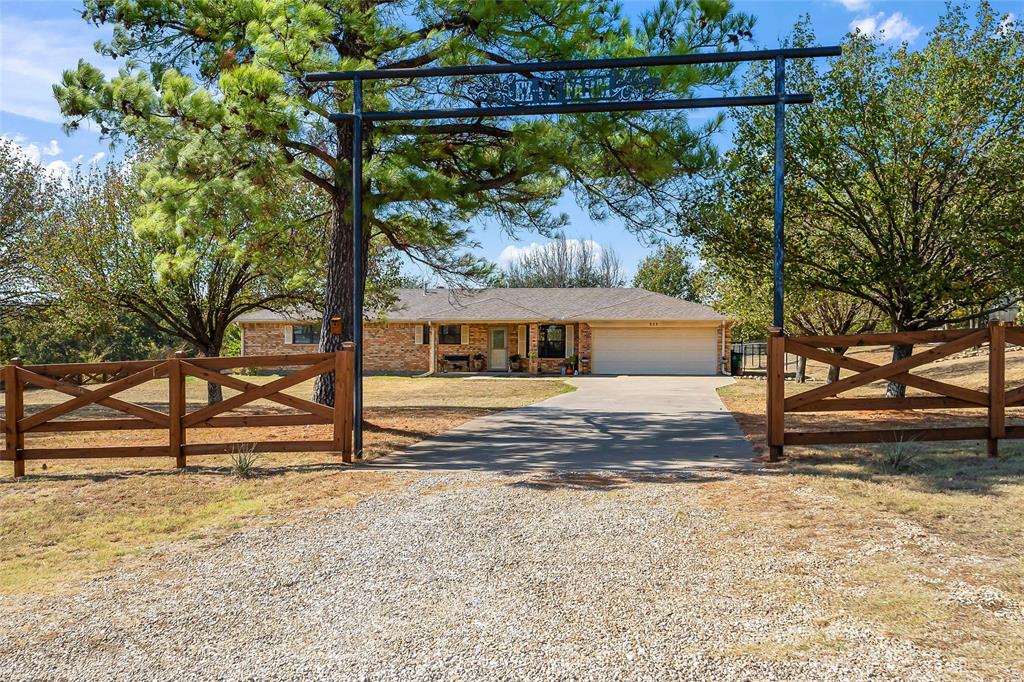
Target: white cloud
x=894 y=28
x=97 y=157
x=58 y=168
x=52 y=149
x=855 y=5
x=513 y=253
x=33 y=56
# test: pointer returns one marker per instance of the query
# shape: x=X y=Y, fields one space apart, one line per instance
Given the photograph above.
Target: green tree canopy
x=219 y=86
x=903 y=186
x=90 y=259
x=23 y=199
x=668 y=271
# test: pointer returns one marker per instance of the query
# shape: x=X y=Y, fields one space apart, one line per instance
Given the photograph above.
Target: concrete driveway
x=624 y=423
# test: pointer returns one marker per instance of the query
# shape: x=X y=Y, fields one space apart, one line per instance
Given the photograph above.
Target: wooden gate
x=944 y=395
x=177 y=420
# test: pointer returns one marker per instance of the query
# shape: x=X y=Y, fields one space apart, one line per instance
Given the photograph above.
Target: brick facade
x=386 y=347
x=392 y=347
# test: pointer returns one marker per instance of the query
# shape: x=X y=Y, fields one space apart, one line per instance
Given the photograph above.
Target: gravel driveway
x=460 y=576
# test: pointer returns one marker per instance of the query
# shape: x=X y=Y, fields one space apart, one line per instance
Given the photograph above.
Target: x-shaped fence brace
x=178 y=419
x=826 y=398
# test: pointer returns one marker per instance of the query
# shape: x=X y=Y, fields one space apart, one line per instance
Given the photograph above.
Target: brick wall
x=268 y=338
x=392 y=347
x=585 y=347
x=386 y=347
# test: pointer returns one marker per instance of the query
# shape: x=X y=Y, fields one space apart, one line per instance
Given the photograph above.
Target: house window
x=551 y=341
x=306 y=333
x=450 y=334
x=426 y=334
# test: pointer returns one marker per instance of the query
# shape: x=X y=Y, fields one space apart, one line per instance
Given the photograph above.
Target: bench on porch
x=454 y=362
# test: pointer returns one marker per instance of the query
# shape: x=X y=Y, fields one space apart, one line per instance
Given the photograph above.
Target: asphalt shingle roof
x=536 y=305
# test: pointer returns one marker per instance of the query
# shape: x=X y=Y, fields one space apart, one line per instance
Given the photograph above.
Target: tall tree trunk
x=214 y=392
x=337 y=292
x=338 y=285
x=898 y=390
x=833 y=370
x=833 y=374
x=801 y=370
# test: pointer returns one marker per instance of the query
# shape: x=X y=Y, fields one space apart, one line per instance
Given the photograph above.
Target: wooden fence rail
x=995 y=399
x=178 y=421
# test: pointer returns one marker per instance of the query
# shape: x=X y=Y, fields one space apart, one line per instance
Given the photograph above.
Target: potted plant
x=574 y=364
x=479 y=358
x=515 y=362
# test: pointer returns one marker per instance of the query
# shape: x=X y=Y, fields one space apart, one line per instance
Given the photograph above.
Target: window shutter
x=464 y=336
x=418 y=335
x=570 y=346
x=288 y=335
x=521 y=338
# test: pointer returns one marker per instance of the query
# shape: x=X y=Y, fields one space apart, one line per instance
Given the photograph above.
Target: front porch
x=504 y=348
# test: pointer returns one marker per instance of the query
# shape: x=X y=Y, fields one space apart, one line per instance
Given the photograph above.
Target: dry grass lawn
x=70 y=518
x=927 y=539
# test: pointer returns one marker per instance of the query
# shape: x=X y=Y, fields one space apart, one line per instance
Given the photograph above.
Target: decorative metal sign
x=613 y=85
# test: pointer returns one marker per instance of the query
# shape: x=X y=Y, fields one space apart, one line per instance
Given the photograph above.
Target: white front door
x=499 y=349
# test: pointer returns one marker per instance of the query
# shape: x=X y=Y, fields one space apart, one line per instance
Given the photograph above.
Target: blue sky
x=41 y=38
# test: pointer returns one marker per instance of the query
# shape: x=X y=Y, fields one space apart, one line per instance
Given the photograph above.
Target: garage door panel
x=654 y=350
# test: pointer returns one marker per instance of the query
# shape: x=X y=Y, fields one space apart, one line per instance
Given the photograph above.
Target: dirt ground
x=928 y=537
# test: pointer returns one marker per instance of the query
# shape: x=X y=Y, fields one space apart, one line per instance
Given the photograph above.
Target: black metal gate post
x=357 y=265
x=549 y=98
x=778 y=235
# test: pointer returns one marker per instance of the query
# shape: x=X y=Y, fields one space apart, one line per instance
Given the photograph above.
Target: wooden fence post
x=776 y=393
x=14 y=409
x=344 y=373
x=996 y=385
x=177 y=404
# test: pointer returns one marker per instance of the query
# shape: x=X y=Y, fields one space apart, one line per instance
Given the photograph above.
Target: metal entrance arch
x=619 y=90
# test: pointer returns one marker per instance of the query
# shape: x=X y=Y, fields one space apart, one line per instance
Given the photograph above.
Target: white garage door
x=654 y=350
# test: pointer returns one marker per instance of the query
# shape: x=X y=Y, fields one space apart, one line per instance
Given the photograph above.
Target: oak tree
x=668 y=271
x=903 y=187
x=90 y=257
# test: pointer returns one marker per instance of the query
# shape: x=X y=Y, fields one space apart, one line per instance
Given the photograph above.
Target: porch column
x=531 y=350
x=433 y=347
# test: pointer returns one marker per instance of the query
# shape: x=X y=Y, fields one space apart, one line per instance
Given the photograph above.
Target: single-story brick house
x=610 y=331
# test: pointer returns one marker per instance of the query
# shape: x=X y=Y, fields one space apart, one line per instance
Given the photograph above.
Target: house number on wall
x=653 y=324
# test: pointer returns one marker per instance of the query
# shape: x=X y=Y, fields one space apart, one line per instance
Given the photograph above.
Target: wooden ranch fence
x=178 y=420
x=940 y=344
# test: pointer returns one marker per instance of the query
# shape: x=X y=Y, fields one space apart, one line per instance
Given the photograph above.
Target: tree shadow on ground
x=605 y=481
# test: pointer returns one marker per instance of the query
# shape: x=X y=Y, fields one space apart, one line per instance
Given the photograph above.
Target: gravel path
x=460 y=576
